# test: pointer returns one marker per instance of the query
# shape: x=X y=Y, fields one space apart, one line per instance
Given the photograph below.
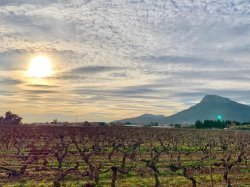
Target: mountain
x=145 y=119
x=211 y=107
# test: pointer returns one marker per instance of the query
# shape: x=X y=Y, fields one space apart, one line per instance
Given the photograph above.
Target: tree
x=198 y=124
x=11 y=119
x=55 y=121
x=1 y=119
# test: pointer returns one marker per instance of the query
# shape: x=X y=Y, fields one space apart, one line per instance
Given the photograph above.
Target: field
x=122 y=156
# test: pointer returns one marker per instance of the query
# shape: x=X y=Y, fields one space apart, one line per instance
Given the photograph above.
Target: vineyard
x=122 y=156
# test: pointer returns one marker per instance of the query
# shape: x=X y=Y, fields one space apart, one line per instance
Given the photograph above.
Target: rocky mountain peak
x=215 y=99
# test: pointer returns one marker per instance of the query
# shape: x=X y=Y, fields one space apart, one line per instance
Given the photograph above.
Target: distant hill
x=145 y=119
x=211 y=107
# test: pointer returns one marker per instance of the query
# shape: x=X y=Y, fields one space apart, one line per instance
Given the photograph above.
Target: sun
x=40 y=67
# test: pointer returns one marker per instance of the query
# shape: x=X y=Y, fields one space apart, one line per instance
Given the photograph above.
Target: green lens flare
x=219 y=117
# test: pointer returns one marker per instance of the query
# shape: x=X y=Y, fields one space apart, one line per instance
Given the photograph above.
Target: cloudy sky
x=120 y=58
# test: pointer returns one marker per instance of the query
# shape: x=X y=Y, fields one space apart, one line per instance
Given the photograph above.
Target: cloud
x=92 y=69
x=9 y=81
x=6 y=93
x=124 y=57
x=42 y=86
x=37 y=92
x=236 y=95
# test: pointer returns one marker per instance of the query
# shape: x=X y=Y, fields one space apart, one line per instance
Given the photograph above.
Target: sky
x=114 y=59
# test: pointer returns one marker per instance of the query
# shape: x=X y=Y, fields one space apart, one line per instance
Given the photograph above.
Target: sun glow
x=40 y=67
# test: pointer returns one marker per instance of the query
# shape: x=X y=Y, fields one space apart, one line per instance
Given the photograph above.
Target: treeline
x=211 y=124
